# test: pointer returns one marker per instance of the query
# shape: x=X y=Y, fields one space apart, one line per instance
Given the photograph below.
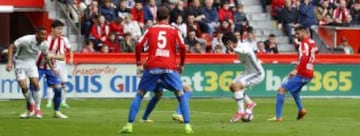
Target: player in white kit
x=27 y=49
x=64 y=45
x=252 y=75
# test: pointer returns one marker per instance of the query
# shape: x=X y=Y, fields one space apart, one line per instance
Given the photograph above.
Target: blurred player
x=56 y=34
x=177 y=116
x=27 y=49
x=252 y=75
x=56 y=52
x=300 y=76
x=161 y=66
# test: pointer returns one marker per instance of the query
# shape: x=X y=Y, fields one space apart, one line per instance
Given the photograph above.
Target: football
x=249 y=115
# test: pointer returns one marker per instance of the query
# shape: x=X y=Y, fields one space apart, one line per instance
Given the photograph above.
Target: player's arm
x=138 y=50
x=11 y=50
x=182 y=48
x=68 y=48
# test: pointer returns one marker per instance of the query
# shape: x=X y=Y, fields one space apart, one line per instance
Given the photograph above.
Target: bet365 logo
x=328 y=81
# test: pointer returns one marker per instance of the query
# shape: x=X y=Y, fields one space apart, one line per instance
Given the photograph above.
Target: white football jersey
x=248 y=58
x=28 y=49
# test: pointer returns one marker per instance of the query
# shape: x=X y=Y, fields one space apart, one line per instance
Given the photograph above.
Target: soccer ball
x=249 y=115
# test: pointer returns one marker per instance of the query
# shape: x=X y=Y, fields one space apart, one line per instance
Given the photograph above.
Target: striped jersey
x=55 y=46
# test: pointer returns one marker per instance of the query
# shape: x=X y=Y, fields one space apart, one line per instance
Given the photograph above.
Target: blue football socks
x=57 y=98
x=279 y=104
x=297 y=100
x=187 y=95
x=150 y=107
x=134 y=107
x=184 y=107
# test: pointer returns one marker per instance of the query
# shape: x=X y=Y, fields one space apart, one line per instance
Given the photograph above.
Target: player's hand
x=181 y=69
x=139 y=70
x=50 y=56
x=9 y=67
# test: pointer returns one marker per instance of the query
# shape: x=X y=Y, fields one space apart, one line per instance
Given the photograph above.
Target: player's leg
x=297 y=99
x=148 y=82
x=30 y=104
x=152 y=104
x=257 y=78
x=63 y=77
x=175 y=84
x=50 y=96
x=187 y=93
x=54 y=82
x=34 y=75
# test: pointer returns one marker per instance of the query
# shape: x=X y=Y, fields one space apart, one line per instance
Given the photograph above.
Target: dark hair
x=272 y=35
x=40 y=28
x=300 y=28
x=162 y=13
x=229 y=36
x=56 y=23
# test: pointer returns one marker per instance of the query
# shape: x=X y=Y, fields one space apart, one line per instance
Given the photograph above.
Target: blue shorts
x=294 y=84
x=51 y=77
x=165 y=78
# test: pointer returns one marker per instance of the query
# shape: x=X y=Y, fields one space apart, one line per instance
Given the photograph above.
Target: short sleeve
x=19 y=42
x=44 y=48
x=67 y=43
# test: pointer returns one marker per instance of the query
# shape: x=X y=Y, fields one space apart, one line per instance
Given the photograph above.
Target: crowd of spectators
x=118 y=24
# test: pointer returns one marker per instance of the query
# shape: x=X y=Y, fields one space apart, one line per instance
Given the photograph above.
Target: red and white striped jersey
x=56 y=46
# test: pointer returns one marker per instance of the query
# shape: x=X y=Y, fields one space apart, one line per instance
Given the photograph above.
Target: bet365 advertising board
x=210 y=80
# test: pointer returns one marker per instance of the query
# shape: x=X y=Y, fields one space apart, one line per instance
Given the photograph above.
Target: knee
x=235 y=86
x=281 y=90
x=141 y=93
x=158 y=95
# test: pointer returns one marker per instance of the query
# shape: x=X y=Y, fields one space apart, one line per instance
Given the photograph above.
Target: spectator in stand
x=239 y=18
x=187 y=48
x=217 y=4
x=177 y=11
x=71 y=6
x=89 y=47
x=246 y=28
x=198 y=49
x=196 y=10
x=348 y=50
x=90 y=17
x=3 y=54
x=238 y=36
x=271 y=44
x=104 y=49
x=307 y=14
x=217 y=41
x=179 y=24
x=323 y=12
x=108 y=11
x=122 y=11
x=128 y=44
x=225 y=26
x=341 y=13
x=113 y=43
x=148 y=24
x=211 y=16
x=137 y=13
x=289 y=19
x=117 y=27
x=150 y=11
x=276 y=8
x=192 y=25
x=191 y=39
x=99 y=32
x=251 y=41
x=132 y=27
x=355 y=13
x=218 y=50
x=226 y=14
x=261 y=48
x=264 y=3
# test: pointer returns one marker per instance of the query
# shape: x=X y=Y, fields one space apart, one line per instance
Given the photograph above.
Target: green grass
x=209 y=117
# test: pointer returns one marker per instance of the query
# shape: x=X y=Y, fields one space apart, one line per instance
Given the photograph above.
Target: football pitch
x=209 y=117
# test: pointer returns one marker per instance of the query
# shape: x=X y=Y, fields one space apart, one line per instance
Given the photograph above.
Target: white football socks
x=28 y=97
x=239 y=98
x=37 y=97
